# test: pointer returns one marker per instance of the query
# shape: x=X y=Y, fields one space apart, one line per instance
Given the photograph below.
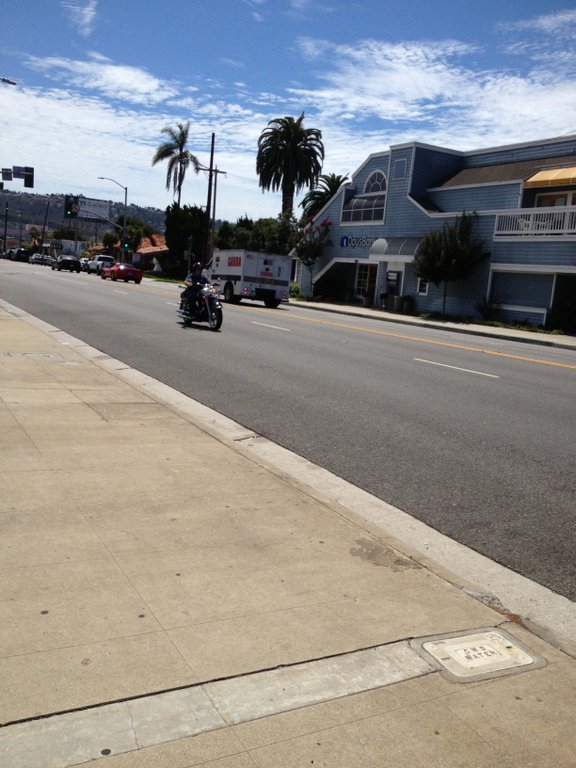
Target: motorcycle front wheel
x=215 y=319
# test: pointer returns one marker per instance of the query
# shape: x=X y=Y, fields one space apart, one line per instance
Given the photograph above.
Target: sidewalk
x=528 y=337
x=272 y=617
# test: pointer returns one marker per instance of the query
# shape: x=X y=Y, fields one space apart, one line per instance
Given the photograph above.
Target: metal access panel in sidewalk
x=480 y=655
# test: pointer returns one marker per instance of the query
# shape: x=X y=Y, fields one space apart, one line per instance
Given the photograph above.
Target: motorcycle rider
x=194 y=282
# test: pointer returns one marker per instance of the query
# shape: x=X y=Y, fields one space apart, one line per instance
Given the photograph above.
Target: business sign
x=94 y=210
x=363 y=241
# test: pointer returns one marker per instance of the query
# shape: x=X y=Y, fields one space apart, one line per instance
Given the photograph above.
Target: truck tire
x=272 y=303
x=229 y=294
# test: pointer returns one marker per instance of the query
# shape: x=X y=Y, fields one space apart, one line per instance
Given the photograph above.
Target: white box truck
x=240 y=274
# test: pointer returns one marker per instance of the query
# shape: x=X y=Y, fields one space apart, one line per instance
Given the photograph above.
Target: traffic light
x=28 y=176
x=70 y=207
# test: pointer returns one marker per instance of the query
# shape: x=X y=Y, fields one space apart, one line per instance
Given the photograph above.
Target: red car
x=122 y=272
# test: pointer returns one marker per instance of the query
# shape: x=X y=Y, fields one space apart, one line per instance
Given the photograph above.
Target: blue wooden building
x=524 y=196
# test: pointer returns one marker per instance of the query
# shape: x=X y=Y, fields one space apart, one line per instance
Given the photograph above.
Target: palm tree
x=179 y=157
x=316 y=199
x=289 y=158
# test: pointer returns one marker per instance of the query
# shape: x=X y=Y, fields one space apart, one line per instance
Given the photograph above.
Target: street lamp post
x=107 y=178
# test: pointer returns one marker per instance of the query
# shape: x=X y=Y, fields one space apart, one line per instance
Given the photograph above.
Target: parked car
x=124 y=272
x=21 y=254
x=67 y=261
x=36 y=258
x=94 y=266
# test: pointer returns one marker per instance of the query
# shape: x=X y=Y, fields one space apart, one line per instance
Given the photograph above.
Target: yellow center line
x=419 y=339
x=451 y=345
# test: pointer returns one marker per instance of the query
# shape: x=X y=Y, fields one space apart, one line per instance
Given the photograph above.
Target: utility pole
x=211 y=205
x=5 y=225
x=208 y=248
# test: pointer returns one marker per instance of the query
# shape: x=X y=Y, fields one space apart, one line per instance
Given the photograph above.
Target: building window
x=369 y=206
x=376 y=183
x=551 y=199
x=400 y=169
x=422 y=288
x=362 y=279
x=364 y=209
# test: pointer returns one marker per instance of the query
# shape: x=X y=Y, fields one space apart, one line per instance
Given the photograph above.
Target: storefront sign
x=350 y=241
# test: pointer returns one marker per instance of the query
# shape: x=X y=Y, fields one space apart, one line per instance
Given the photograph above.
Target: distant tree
x=289 y=158
x=450 y=253
x=242 y=233
x=109 y=240
x=224 y=235
x=66 y=233
x=316 y=199
x=179 y=157
x=184 y=227
x=269 y=235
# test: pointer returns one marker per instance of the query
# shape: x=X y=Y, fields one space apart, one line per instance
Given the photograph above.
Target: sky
x=97 y=80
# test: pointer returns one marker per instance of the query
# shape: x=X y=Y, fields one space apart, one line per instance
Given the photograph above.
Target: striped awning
x=400 y=249
x=552 y=177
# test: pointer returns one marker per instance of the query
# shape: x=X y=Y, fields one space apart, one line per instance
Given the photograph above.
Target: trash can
x=398 y=300
x=407 y=305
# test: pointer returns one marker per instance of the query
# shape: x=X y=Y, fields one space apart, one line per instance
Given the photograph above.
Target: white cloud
x=102 y=118
x=116 y=81
x=562 y=23
x=81 y=16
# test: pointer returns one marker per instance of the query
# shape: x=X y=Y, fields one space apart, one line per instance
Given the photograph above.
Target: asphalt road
x=474 y=436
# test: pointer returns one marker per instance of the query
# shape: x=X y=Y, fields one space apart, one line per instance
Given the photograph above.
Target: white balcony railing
x=536 y=222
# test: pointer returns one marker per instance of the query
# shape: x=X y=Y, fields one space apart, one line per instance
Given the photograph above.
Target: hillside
x=26 y=209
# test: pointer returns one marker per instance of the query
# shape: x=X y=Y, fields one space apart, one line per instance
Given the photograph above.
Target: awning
x=553 y=177
x=394 y=249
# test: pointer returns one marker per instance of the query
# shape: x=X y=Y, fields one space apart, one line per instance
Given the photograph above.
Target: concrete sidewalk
x=266 y=615
x=559 y=340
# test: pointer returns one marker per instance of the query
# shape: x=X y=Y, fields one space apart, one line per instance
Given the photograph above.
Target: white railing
x=536 y=222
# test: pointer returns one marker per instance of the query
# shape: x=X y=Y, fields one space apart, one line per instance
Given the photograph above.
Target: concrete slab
x=83 y=675
x=421 y=736
x=62 y=612
x=265 y=640
x=216 y=749
x=412 y=613
x=260 y=695
x=130 y=726
x=528 y=717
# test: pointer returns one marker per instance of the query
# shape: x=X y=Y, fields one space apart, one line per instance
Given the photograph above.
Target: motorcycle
x=208 y=308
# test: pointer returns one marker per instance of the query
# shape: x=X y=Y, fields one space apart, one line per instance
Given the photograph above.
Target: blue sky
x=98 y=79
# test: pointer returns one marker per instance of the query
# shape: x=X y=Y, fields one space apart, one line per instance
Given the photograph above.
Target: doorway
x=563 y=312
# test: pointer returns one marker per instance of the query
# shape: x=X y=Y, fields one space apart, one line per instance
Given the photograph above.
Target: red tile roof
x=155 y=243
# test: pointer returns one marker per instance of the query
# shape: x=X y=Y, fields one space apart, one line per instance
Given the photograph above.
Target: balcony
x=537 y=222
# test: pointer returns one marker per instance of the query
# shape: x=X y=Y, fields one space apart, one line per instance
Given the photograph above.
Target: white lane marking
x=455 y=368
x=124 y=293
x=275 y=327
x=172 y=303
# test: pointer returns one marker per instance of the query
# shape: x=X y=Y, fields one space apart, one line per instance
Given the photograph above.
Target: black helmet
x=197 y=267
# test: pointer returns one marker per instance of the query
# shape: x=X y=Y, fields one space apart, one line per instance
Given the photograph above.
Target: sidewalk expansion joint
x=82 y=735
x=200 y=683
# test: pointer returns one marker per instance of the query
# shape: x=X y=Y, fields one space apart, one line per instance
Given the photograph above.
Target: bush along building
x=523 y=201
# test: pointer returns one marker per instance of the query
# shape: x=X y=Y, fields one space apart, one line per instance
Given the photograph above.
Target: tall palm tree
x=316 y=199
x=179 y=157
x=289 y=157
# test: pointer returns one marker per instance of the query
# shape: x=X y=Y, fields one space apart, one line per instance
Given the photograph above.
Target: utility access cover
x=479 y=655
